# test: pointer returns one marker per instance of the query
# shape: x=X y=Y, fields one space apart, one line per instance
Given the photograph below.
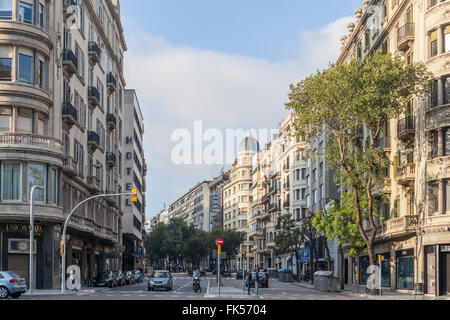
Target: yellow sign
x=22 y=228
x=219 y=249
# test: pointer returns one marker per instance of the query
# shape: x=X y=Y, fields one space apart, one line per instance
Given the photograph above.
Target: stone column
x=440 y=40
x=15 y=113
x=14 y=64
x=441 y=197
x=15 y=10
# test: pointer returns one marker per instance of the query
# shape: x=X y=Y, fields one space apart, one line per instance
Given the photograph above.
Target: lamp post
x=32 y=236
x=63 y=239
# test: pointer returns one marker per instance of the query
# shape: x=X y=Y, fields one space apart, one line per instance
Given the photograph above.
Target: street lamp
x=32 y=235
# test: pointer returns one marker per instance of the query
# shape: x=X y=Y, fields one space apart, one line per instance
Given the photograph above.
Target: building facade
x=413 y=232
x=61 y=86
x=134 y=177
x=216 y=201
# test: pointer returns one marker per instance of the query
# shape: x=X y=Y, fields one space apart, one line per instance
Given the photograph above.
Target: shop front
x=15 y=252
x=444 y=270
x=405 y=269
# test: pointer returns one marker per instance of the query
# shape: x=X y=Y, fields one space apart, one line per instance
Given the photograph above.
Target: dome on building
x=249 y=144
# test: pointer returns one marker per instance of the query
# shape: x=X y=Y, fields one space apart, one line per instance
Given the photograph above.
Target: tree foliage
x=337 y=101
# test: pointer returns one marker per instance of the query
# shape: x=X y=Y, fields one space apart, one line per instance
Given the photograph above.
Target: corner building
x=61 y=103
x=413 y=238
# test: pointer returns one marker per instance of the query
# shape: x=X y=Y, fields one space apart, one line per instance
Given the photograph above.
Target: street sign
x=306 y=255
x=219 y=241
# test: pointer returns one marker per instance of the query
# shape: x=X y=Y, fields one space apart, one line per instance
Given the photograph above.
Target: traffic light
x=134 y=195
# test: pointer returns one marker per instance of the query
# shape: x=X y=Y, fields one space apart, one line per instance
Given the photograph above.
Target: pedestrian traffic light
x=134 y=195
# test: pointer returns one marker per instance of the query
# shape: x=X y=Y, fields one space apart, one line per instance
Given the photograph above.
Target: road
x=182 y=290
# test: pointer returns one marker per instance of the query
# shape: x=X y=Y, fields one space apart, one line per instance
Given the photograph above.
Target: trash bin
x=325 y=281
x=273 y=273
x=317 y=280
x=285 y=275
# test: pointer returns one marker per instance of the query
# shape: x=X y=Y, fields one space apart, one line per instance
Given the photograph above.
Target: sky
x=228 y=64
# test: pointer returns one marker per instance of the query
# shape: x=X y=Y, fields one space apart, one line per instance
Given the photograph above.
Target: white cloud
x=179 y=85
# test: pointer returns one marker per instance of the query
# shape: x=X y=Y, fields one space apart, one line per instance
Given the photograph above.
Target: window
x=26 y=12
x=5 y=119
x=447 y=195
x=5 y=69
x=5 y=9
x=314 y=198
x=55 y=186
x=37 y=176
x=434 y=43
x=396 y=208
x=303 y=173
x=321 y=169
x=433 y=145
x=321 y=192
x=26 y=68
x=433 y=198
x=25 y=121
x=446 y=84
x=81 y=65
x=11 y=181
x=79 y=157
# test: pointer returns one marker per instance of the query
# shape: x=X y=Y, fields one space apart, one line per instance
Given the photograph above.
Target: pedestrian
x=249 y=281
x=73 y=281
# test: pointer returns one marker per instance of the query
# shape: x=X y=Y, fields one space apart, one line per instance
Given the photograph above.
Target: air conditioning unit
x=21 y=246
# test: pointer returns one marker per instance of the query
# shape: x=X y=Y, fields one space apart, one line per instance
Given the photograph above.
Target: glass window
x=37 y=176
x=434 y=43
x=55 y=186
x=447 y=39
x=42 y=16
x=5 y=9
x=26 y=67
x=433 y=198
x=5 y=119
x=405 y=273
x=11 y=181
x=433 y=145
x=5 y=69
x=26 y=12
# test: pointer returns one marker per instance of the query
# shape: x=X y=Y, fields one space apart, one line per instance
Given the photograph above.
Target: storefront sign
x=445 y=248
x=22 y=228
x=78 y=243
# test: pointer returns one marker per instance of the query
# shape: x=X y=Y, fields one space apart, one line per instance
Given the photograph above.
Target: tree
x=308 y=235
x=289 y=240
x=339 y=222
x=155 y=244
x=343 y=98
x=232 y=242
x=195 y=247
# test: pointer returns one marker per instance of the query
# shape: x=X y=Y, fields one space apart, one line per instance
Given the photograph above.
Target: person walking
x=249 y=281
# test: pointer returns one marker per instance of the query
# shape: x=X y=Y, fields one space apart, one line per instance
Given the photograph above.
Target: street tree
x=289 y=239
x=337 y=102
x=308 y=236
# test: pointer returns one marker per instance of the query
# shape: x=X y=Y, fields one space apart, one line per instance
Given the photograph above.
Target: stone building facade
x=413 y=233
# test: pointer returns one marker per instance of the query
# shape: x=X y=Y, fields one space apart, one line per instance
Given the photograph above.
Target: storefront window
x=5 y=9
x=37 y=176
x=405 y=273
x=11 y=181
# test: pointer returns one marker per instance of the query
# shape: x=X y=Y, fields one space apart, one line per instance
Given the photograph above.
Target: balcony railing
x=406 y=173
x=383 y=143
x=111 y=159
x=94 y=183
x=93 y=96
x=406 y=127
x=69 y=114
x=93 y=140
x=70 y=167
x=405 y=34
x=286 y=204
x=112 y=82
x=273 y=207
x=70 y=61
x=400 y=226
x=24 y=140
x=94 y=52
x=111 y=121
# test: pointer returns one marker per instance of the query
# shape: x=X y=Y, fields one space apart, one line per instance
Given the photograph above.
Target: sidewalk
x=57 y=292
x=227 y=291
x=387 y=294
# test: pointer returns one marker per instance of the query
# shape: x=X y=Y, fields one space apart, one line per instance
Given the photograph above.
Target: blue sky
x=226 y=63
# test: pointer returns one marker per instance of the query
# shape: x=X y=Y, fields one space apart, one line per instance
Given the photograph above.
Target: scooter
x=196 y=285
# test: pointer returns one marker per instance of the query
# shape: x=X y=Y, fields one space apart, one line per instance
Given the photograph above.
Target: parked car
x=239 y=275
x=160 y=279
x=105 y=279
x=129 y=278
x=138 y=276
x=11 y=285
x=225 y=274
x=263 y=280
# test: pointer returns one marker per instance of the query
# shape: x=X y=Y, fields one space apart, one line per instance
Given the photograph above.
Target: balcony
x=406 y=128
x=24 y=141
x=69 y=115
x=406 y=174
x=383 y=143
x=94 y=184
x=265 y=198
x=94 y=53
x=387 y=186
x=286 y=205
x=405 y=35
x=70 y=168
x=401 y=226
x=93 y=141
x=70 y=62
x=93 y=97
x=111 y=160
x=112 y=82
x=111 y=121
x=68 y=11
x=112 y=201
x=273 y=207
x=286 y=168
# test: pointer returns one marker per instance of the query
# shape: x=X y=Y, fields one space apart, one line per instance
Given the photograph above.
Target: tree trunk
x=341 y=267
x=327 y=251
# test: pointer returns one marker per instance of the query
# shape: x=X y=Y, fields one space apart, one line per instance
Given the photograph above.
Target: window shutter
x=434 y=36
x=447 y=30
